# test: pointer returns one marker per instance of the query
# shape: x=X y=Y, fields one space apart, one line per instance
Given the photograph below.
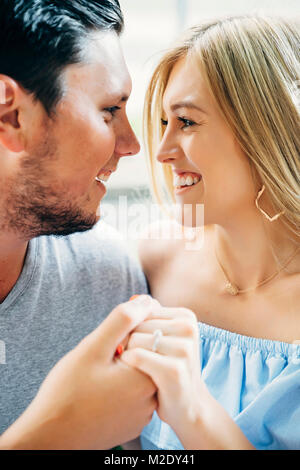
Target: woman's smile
x=185 y=181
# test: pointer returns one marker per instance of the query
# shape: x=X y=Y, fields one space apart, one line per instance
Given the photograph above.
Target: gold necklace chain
x=234 y=290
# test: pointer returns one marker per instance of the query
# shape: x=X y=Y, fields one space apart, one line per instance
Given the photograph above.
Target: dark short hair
x=39 y=38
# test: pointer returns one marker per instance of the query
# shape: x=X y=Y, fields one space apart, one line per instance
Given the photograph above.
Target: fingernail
x=141 y=299
x=119 y=350
x=134 y=297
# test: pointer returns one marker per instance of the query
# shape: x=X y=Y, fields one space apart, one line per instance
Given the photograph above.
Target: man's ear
x=11 y=95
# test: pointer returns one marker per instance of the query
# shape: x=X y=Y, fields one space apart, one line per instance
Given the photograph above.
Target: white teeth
x=176 y=180
x=185 y=181
x=102 y=177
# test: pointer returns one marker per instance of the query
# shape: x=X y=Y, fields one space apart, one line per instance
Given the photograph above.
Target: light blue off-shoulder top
x=256 y=380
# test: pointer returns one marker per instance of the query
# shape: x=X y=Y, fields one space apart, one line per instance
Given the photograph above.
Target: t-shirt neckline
x=25 y=276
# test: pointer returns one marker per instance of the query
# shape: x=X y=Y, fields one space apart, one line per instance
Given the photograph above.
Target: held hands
x=166 y=348
x=93 y=400
x=90 y=400
x=171 y=359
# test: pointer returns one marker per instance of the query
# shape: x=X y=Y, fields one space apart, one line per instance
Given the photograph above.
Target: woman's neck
x=244 y=249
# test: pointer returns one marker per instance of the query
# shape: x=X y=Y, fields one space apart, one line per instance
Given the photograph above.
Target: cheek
x=86 y=148
x=225 y=168
x=94 y=137
x=230 y=178
x=203 y=150
x=98 y=144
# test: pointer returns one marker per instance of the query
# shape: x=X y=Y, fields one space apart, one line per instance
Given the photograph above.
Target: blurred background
x=150 y=27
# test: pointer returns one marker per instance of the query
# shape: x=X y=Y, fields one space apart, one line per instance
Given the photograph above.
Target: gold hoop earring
x=270 y=219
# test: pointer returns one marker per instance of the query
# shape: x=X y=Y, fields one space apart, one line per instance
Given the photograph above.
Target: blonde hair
x=251 y=65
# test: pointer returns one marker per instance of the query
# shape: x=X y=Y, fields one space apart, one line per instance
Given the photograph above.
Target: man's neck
x=12 y=257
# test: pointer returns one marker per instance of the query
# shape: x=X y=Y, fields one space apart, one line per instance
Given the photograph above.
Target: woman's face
x=202 y=149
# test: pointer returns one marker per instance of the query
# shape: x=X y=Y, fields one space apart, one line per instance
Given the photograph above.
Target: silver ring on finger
x=158 y=334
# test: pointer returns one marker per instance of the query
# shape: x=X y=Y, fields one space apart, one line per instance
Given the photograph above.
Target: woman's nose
x=167 y=152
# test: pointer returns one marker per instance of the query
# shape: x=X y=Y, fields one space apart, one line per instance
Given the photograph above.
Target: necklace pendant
x=231 y=289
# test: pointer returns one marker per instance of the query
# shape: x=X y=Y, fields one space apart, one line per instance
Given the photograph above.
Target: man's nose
x=127 y=143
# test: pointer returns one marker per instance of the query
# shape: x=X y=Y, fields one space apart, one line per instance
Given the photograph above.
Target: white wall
x=152 y=25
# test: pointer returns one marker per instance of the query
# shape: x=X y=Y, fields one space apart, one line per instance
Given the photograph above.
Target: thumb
x=120 y=322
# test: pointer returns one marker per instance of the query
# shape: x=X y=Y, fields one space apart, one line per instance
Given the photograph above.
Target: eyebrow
x=120 y=98
x=115 y=98
x=187 y=104
x=124 y=98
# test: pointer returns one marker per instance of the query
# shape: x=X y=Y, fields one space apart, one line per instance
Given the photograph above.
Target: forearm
x=38 y=429
x=30 y=434
x=212 y=429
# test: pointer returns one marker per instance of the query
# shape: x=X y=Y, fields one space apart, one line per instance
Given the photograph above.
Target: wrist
x=210 y=427
x=190 y=420
x=191 y=428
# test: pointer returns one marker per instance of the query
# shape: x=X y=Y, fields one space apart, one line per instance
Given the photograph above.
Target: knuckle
x=190 y=331
x=125 y=315
x=185 y=350
x=181 y=351
x=187 y=328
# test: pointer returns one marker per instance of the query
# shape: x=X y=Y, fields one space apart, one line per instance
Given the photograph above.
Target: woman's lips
x=184 y=189
x=183 y=172
x=184 y=181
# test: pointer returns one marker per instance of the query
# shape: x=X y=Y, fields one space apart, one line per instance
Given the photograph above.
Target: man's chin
x=74 y=228
x=68 y=227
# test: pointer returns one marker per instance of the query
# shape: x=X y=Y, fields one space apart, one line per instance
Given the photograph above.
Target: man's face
x=51 y=188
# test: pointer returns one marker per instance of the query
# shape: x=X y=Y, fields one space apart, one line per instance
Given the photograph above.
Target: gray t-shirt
x=67 y=287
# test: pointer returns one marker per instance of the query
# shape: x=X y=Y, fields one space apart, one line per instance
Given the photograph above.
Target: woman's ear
x=11 y=95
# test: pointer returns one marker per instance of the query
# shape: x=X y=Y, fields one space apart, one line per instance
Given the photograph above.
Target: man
x=63 y=129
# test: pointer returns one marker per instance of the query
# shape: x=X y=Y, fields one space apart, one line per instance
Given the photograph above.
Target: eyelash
x=187 y=122
x=112 y=110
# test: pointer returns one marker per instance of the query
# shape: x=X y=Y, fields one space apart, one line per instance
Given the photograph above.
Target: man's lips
x=104 y=175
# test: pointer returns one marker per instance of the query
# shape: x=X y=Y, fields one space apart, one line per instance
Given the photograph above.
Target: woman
x=225 y=105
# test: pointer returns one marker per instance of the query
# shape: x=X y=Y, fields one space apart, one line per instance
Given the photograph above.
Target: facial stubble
x=33 y=207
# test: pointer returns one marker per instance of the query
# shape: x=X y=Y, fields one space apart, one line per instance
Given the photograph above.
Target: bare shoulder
x=158 y=243
x=164 y=241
